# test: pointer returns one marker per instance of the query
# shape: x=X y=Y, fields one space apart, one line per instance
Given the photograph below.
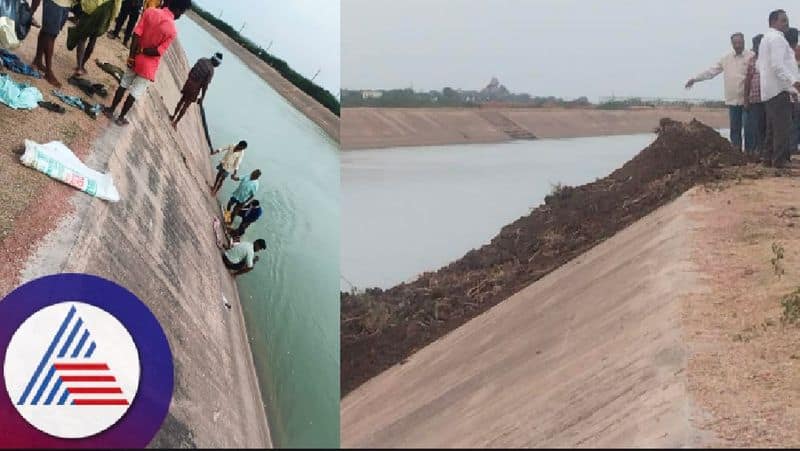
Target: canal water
x=410 y=210
x=291 y=299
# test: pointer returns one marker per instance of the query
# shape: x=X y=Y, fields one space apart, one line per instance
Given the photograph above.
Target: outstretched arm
x=712 y=72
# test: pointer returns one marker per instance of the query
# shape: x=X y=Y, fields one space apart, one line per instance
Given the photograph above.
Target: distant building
x=371 y=94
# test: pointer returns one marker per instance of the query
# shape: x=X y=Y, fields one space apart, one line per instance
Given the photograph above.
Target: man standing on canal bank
x=151 y=38
x=734 y=67
x=779 y=80
x=229 y=165
x=198 y=80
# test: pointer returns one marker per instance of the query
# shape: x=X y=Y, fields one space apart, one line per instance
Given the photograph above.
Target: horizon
x=565 y=48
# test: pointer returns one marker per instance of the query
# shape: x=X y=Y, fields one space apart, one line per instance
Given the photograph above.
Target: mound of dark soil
x=381 y=328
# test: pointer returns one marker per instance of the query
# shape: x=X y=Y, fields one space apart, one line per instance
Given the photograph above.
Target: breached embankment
x=158 y=243
x=667 y=333
x=373 y=128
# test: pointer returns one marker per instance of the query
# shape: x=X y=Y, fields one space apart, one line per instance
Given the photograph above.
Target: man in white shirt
x=734 y=68
x=780 y=79
x=229 y=165
x=241 y=258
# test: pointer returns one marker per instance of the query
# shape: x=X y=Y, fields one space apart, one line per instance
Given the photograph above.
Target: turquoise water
x=291 y=299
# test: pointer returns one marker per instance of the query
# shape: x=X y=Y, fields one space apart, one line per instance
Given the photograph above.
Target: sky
x=564 y=48
x=304 y=33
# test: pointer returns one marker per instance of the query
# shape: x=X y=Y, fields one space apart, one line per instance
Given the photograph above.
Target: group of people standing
x=762 y=91
x=149 y=32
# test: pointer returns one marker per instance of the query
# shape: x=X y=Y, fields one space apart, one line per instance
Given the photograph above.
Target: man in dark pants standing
x=755 y=126
x=130 y=11
x=779 y=79
x=733 y=66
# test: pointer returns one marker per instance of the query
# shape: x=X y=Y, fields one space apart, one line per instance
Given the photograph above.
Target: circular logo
x=87 y=375
x=85 y=365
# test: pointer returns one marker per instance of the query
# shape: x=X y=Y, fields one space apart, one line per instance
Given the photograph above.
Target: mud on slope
x=380 y=328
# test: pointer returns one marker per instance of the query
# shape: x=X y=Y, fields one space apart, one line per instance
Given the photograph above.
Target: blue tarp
x=18 y=95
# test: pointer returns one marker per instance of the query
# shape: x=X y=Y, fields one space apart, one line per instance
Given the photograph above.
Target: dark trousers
x=128 y=11
x=241 y=229
x=736 y=115
x=795 y=140
x=779 y=129
x=755 y=128
x=233 y=266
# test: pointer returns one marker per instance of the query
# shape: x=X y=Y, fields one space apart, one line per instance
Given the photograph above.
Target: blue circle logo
x=85 y=365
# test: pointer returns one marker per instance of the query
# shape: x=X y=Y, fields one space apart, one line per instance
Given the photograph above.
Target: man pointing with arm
x=734 y=68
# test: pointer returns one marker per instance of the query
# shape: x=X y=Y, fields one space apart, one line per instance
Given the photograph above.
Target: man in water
x=734 y=67
x=250 y=212
x=151 y=38
x=241 y=258
x=755 y=123
x=780 y=79
x=54 y=16
x=130 y=11
x=229 y=164
x=244 y=192
x=198 y=80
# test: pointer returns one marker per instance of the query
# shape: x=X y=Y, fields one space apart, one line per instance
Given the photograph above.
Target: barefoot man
x=151 y=38
x=198 y=80
x=229 y=165
x=54 y=16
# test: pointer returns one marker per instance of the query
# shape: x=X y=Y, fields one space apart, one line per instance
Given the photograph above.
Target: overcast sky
x=566 y=48
x=304 y=33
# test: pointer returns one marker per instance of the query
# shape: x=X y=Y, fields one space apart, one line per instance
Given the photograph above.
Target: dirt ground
x=745 y=365
x=382 y=328
x=29 y=203
x=374 y=128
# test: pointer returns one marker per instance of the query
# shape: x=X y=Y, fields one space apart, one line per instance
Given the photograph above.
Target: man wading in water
x=198 y=80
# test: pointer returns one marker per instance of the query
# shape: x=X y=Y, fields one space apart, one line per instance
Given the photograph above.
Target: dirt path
x=745 y=368
x=591 y=355
x=304 y=103
x=374 y=128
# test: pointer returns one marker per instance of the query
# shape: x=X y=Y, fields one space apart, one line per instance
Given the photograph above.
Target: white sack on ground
x=57 y=160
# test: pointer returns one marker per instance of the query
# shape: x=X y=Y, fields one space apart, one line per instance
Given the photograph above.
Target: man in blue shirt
x=244 y=193
x=249 y=213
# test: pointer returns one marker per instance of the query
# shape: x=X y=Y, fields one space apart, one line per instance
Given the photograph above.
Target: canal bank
x=290 y=299
x=158 y=243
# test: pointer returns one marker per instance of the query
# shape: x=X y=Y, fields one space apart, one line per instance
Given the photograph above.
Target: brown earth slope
x=372 y=128
x=382 y=328
x=679 y=331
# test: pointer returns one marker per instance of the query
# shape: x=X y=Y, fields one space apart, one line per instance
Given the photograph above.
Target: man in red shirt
x=151 y=38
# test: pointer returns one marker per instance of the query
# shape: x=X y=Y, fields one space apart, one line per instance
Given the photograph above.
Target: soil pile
x=380 y=328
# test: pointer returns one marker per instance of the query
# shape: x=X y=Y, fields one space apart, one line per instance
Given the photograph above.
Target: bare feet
x=121 y=121
x=51 y=78
x=174 y=125
x=108 y=112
